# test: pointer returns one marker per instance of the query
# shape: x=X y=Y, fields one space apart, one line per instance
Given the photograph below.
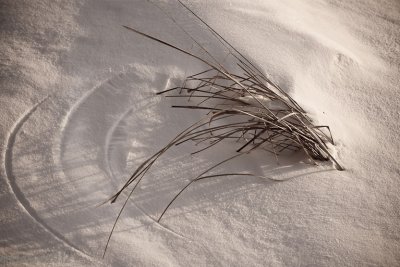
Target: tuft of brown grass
x=243 y=107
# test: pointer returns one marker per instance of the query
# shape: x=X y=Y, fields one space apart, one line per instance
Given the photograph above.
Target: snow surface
x=78 y=114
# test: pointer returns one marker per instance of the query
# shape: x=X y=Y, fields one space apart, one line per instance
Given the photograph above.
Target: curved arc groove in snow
x=106 y=148
x=109 y=168
x=80 y=100
x=108 y=138
x=58 y=148
x=19 y=195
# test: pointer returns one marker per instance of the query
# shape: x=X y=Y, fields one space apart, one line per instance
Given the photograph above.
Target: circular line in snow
x=19 y=195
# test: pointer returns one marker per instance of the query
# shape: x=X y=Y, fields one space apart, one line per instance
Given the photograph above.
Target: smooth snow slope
x=78 y=114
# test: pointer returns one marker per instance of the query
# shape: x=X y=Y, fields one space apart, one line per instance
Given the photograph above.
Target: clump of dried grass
x=243 y=107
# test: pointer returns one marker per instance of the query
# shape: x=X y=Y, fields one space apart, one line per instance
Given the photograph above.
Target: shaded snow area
x=79 y=114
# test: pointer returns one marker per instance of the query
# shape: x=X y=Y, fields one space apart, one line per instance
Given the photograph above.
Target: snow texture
x=79 y=113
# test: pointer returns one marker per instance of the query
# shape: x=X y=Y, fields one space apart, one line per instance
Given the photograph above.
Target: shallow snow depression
x=78 y=114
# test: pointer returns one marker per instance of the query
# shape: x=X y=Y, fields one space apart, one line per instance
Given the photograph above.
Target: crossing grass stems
x=243 y=107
